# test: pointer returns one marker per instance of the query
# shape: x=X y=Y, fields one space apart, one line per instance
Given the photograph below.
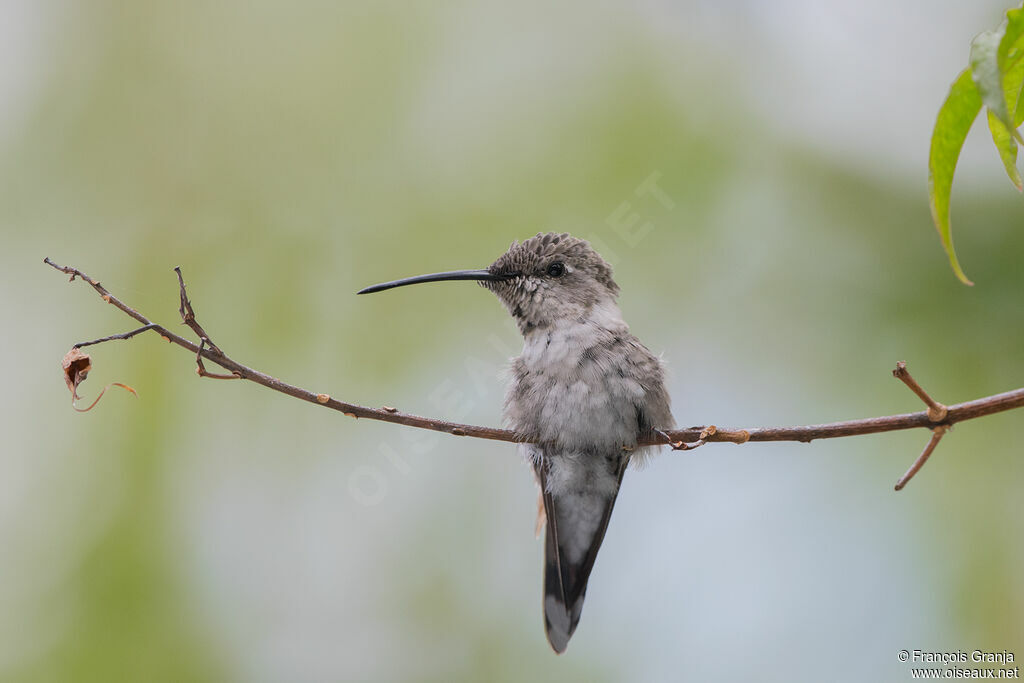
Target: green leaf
x=994 y=56
x=1011 y=62
x=1010 y=57
x=1019 y=118
x=987 y=74
x=1007 y=149
x=955 y=118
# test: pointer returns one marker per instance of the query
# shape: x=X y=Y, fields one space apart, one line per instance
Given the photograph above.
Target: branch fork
x=936 y=412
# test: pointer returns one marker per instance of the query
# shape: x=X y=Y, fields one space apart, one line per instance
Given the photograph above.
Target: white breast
x=579 y=400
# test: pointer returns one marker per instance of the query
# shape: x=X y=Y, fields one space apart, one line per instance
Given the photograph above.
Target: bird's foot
x=682 y=445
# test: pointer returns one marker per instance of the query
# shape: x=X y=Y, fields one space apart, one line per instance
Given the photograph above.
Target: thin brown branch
x=188 y=316
x=123 y=335
x=937 y=435
x=957 y=413
x=936 y=411
x=201 y=369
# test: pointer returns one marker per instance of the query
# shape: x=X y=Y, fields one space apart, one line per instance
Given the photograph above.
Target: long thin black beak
x=435 y=277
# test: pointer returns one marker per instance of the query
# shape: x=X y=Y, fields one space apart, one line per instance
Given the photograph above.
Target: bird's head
x=549 y=277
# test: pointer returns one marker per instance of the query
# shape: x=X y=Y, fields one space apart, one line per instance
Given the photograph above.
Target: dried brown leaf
x=76 y=366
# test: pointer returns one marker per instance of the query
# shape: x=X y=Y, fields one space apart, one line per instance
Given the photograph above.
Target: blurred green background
x=287 y=154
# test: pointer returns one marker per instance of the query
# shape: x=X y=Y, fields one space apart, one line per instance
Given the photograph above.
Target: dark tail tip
x=559 y=623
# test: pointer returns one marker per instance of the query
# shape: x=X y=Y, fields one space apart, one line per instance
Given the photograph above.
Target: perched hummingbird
x=584 y=392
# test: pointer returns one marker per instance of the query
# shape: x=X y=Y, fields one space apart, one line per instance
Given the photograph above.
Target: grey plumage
x=584 y=391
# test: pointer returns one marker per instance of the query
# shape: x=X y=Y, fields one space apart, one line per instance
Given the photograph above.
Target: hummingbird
x=582 y=395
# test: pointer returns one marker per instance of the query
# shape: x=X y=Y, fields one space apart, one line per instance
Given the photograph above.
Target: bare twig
x=201 y=369
x=937 y=435
x=124 y=335
x=188 y=316
x=960 y=412
x=936 y=411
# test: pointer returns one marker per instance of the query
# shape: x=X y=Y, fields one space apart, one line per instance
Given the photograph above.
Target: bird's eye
x=556 y=269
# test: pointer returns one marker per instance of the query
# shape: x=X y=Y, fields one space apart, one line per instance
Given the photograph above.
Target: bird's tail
x=576 y=524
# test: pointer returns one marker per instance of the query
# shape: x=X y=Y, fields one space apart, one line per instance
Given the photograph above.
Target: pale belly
x=590 y=411
x=581 y=397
